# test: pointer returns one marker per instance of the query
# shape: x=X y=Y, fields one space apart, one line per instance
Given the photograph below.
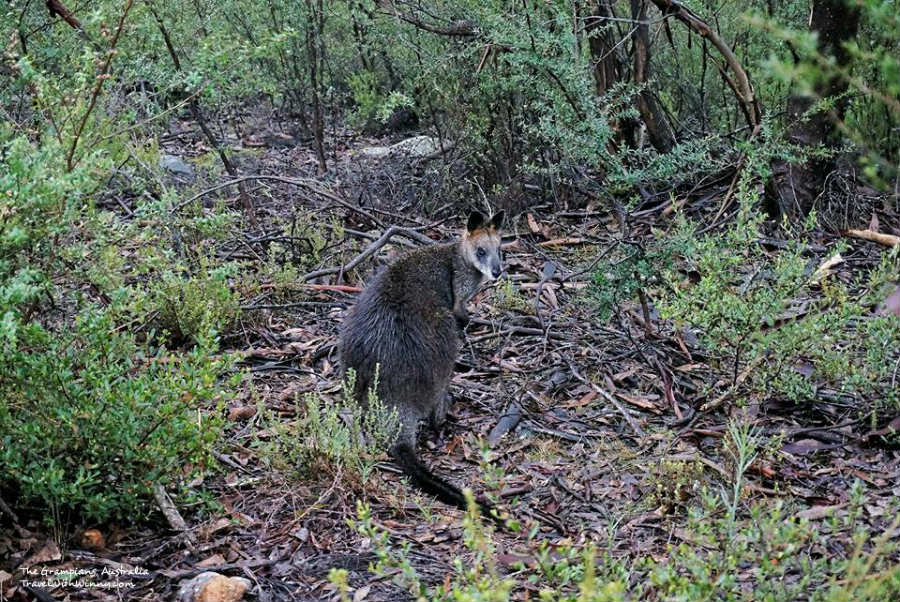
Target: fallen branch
x=522 y=330
x=888 y=240
x=628 y=418
x=340 y=288
x=564 y=242
x=167 y=507
x=371 y=249
x=309 y=184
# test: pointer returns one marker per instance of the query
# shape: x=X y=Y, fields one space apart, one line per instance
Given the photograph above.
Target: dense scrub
x=728 y=144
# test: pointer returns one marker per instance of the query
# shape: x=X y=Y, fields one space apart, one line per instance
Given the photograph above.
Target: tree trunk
x=315 y=55
x=658 y=130
x=610 y=65
x=797 y=186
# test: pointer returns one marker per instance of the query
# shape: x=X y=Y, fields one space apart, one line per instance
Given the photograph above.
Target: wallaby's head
x=480 y=245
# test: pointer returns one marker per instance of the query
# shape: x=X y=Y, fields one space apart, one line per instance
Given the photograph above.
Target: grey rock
x=176 y=165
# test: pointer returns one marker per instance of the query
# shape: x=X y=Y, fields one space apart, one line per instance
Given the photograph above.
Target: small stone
x=92 y=539
x=213 y=587
x=176 y=165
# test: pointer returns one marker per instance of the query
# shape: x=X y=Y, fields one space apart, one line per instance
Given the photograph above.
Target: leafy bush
x=767 y=555
x=91 y=421
x=196 y=307
x=768 y=321
x=91 y=416
x=871 y=73
x=333 y=437
x=763 y=319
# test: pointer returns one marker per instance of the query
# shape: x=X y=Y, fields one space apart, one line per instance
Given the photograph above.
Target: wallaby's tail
x=424 y=479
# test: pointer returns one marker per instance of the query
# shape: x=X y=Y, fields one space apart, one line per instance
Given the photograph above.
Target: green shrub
x=764 y=555
x=620 y=281
x=871 y=73
x=766 y=319
x=91 y=416
x=91 y=421
x=332 y=437
x=371 y=104
x=197 y=307
x=746 y=308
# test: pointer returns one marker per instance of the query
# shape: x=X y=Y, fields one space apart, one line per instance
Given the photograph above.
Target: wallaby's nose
x=496 y=271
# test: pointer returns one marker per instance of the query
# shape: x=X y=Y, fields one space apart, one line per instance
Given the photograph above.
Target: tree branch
x=102 y=77
x=464 y=29
x=742 y=88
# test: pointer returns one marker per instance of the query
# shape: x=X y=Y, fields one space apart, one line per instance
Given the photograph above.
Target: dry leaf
x=92 y=539
x=873 y=223
x=360 y=594
x=641 y=402
x=214 y=560
x=825 y=269
x=241 y=413
x=818 y=512
x=48 y=553
x=550 y=297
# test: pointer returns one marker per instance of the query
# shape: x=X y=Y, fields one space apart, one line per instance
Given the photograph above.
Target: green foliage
x=765 y=554
x=91 y=418
x=372 y=105
x=674 y=483
x=90 y=422
x=619 y=281
x=746 y=308
x=475 y=579
x=195 y=307
x=871 y=74
x=508 y=298
x=333 y=437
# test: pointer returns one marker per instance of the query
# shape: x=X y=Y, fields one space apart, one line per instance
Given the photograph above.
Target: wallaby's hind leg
x=408 y=435
x=439 y=412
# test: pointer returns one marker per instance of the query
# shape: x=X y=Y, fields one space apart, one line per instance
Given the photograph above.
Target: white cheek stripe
x=485 y=271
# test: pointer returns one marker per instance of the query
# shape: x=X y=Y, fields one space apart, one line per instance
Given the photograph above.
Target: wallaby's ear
x=497 y=220
x=476 y=220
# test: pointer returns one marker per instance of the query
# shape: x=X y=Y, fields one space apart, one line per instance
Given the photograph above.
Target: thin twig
x=102 y=77
x=309 y=184
x=371 y=249
x=628 y=418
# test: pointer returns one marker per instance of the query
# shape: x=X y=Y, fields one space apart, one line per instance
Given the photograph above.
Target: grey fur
x=407 y=323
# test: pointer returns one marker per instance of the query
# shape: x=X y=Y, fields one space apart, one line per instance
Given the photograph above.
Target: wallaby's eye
x=480 y=253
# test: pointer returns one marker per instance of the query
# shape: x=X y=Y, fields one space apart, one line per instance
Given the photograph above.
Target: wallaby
x=407 y=323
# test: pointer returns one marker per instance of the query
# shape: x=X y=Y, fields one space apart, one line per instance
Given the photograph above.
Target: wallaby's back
x=405 y=326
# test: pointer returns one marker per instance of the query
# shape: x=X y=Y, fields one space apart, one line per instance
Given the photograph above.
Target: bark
x=610 y=65
x=315 y=56
x=659 y=132
x=798 y=186
x=57 y=8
